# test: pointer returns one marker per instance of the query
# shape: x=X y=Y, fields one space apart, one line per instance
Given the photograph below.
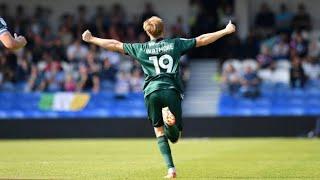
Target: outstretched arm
x=209 y=38
x=109 y=44
x=12 y=43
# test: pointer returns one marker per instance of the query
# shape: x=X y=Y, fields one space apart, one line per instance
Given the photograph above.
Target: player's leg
x=165 y=151
x=172 y=113
x=154 y=106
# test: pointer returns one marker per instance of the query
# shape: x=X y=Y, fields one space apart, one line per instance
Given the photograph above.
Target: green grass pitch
x=140 y=159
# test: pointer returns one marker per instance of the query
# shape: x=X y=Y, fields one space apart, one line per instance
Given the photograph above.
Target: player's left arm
x=209 y=38
x=109 y=44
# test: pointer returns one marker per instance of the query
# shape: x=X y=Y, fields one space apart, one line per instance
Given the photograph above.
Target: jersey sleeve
x=131 y=49
x=184 y=45
x=3 y=26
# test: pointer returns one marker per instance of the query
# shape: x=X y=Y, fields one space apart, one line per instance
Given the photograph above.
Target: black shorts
x=164 y=98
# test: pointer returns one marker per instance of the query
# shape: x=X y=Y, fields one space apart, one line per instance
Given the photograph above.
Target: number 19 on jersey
x=161 y=63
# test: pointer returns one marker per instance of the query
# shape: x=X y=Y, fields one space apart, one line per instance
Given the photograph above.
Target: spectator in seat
x=58 y=50
x=302 y=20
x=250 y=47
x=108 y=75
x=136 y=81
x=264 y=58
x=179 y=29
x=250 y=83
x=76 y=51
x=184 y=70
x=231 y=79
x=54 y=77
x=314 y=49
x=131 y=34
x=8 y=66
x=265 y=19
x=194 y=8
x=89 y=81
x=299 y=45
x=23 y=70
x=36 y=80
x=283 y=19
x=148 y=12
x=122 y=87
x=99 y=21
x=281 y=48
x=65 y=35
x=226 y=13
x=312 y=69
x=70 y=84
x=297 y=74
x=142 y=38
x=117 y=15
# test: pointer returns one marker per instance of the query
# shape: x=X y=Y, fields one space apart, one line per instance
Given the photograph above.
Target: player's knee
x=159 y=131
x=168 y=116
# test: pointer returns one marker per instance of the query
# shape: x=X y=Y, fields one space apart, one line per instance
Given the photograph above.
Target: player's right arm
x=209 y=38
x=109 y=44
x=12 y=43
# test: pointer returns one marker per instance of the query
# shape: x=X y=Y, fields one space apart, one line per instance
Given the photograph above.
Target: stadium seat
x=315 y=102
x=283 y=64
x=236 y=63
x=261 y=111
x=223 y=111
x=264 y=75
x=312 y=111
x=3 y=114
x=263 y=103
x=244 y=111
x=250 y=62
x=281 y=75
x=17 y=114
x=312 y=93
x=295 y=101
x=136 y=96
x=279 y=111
x=267 y=92
x=245 y=103
x=297 y=93
x=296 y=111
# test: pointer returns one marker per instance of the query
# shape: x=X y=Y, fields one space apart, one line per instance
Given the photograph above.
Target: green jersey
x=160 y=62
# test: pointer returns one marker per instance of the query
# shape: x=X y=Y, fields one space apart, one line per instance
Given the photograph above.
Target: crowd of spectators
x=56 y=59
x=284 y=48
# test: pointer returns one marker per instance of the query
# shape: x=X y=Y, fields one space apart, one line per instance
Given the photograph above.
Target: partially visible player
x=163 y=90
x=12 y=43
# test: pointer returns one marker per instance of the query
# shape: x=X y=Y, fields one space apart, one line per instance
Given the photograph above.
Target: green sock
x=172 y=133
x=165 y=151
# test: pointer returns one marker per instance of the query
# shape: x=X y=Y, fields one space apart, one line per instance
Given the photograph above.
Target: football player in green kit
x=12 y=43
x=163 y=91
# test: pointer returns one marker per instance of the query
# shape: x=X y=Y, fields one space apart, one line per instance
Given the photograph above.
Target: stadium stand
x=282 y=51
x=287 y=67
x=57 y=69
x=275 y=99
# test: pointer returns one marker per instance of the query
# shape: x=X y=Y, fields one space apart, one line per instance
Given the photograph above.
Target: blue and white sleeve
x=3 y=26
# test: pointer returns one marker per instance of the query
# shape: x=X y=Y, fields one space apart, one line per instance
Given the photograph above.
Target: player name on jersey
x=158 y=50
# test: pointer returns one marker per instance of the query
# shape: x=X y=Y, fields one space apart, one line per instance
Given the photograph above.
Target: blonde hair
x=154 y=26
